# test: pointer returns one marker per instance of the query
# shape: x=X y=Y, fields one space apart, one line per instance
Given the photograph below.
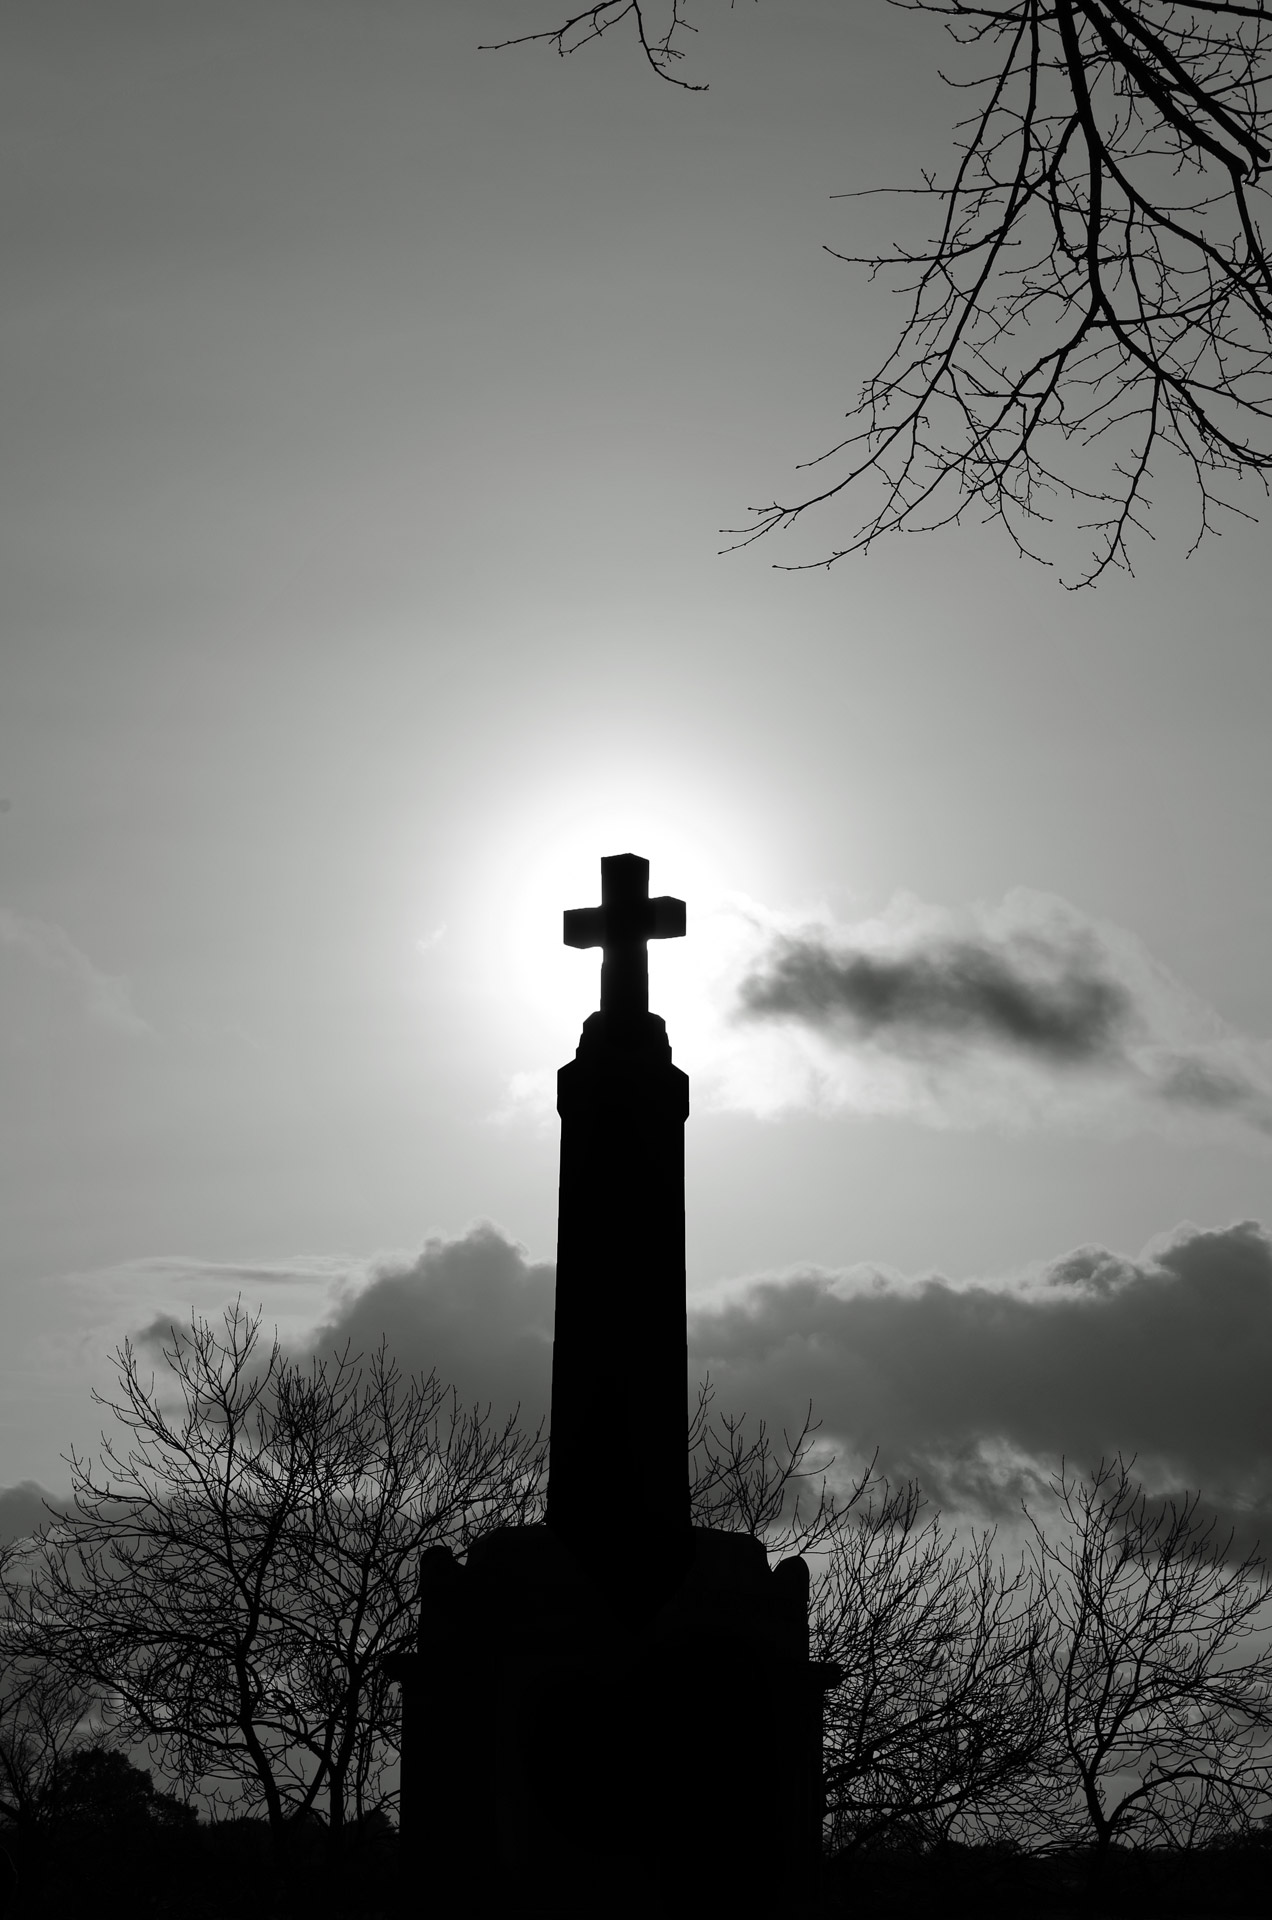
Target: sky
x=371 y=405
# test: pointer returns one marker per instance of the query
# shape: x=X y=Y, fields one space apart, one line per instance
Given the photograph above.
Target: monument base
x=636 y=1730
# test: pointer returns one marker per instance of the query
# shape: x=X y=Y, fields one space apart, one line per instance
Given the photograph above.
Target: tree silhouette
x=938 y=1722
x=939 y=1725
x=46 y=1717
x=227 y=1589
x=237 y=1566
x=1088 y=297
x=1112 y=1689
x=1159 y=1668
x=99 y=1789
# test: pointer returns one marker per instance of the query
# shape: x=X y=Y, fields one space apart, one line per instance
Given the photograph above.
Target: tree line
x=230 y=1573
x=1109 y=1688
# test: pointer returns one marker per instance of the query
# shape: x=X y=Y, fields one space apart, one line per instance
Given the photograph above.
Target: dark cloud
x=1191 y=1080
x=1199 y=1084
x=157 y=1334
x=977 y=1389
x=1016 y=1013
x=22 y=1510
x=1050 y=997
x=972 y=1386
x=476 y=1309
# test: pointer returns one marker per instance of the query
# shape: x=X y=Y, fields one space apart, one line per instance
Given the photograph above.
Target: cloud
x=528 y=1096
x=102 y=999
x=978 y=1388
x=23 y=1510
x=473 y=1307
x=1209 y=1082
x=148 y=1297
x=1050 y=999
x=476 y=1308
x=302 y=1270
x=1027 y=1012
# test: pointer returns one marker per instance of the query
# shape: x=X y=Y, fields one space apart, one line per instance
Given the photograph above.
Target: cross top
x=620 y=926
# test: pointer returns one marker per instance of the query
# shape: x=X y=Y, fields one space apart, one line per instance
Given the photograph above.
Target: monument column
x=619 y=1363
x=614 y=1712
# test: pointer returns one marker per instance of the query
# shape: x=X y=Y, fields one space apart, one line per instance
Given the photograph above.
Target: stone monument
x=615 y=1712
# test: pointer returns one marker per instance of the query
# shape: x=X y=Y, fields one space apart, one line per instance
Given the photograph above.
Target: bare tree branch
x=1096 y=302
x=660 y=47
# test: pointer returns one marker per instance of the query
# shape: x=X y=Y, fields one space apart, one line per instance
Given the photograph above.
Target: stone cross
x=625 y=920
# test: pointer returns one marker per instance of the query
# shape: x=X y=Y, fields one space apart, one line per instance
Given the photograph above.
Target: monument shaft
x=619 y=1365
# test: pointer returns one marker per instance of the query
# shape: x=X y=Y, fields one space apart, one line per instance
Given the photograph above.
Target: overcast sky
x=371 y=405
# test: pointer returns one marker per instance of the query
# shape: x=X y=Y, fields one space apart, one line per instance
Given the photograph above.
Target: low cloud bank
x=1018 y=1013
x=976 y=1387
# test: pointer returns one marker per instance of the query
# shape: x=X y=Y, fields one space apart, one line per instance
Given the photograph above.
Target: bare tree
x=236 y=1567
x=745 y=1482
x=45 y=1718
x=1160 y=1669
x=1090 y=296
x=412 y=1469
x=939 y=1724
x=939 y=1728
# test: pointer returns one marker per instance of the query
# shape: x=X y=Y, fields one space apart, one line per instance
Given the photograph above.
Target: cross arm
x=667 y=918
x=664 y=919
x=584 y=927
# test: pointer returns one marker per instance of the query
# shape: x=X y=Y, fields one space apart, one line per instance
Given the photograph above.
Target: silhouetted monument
x=618 y=1354
x=615 y=1712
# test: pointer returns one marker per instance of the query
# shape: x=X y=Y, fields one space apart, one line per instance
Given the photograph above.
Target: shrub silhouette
x=100 y=1789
